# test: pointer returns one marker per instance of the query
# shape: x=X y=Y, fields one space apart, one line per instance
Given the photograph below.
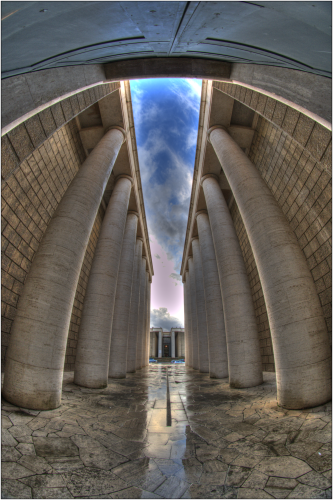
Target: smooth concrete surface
x=36 y=353
x=122 y=306
x=114 y=443
x=217 y=343
x=286 y=34
x=134 y=311
x=299 y=334
x=203 y=354
x=244 y=360
x=94 y=339
x=194 y=321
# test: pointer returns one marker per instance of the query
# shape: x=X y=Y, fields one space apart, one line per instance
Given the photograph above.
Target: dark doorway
x=166 y=347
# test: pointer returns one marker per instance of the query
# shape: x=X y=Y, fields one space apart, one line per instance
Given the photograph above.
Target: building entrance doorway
x=166 y=347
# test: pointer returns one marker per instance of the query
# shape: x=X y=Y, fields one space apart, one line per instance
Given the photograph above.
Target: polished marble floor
x=115 y=442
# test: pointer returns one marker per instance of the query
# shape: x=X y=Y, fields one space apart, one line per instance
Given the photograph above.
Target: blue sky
x=166 y=114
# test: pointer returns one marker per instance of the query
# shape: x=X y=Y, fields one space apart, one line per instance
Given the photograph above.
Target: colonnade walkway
x=115 y=442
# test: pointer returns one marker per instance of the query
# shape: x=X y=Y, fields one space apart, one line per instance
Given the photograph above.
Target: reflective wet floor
x=118 y=442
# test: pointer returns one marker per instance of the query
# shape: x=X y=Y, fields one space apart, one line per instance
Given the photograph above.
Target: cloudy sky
x=166 y=114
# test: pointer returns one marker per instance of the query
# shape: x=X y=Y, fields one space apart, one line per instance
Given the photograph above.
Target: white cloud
x=176 y=276
x=160 y=318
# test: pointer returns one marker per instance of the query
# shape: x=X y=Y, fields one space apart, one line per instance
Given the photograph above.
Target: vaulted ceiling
x=41 y=35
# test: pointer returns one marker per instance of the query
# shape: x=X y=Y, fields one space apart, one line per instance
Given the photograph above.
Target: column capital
x=117 y=128
x=210 y=130
x=133 y=212
x=207 y=176
x=144 y=257
x=199 y=212
x=124 y=176
x=194 y=238
x=140 y=238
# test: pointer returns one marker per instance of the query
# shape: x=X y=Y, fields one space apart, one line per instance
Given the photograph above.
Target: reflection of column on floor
x=159 y=344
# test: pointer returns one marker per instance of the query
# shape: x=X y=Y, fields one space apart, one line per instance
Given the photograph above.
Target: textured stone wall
x=22 y=140
x=30 y=195
x=80 y=293
x=265 y=340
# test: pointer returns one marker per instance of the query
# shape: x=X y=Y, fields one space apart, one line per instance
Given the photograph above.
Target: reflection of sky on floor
x=166 y=113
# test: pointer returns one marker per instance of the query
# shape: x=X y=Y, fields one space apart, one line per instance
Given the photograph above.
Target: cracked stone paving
x=115 y=442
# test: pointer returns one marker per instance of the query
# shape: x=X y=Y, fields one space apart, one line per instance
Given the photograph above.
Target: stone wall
x=80 y=293
x=265 y=339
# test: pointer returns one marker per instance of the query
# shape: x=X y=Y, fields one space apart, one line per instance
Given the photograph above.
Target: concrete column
x=173 y=344
x=195 y=355
x=188 y=327
x=299 y=334
x=134 y=311
x=93 y=348
x=36 y=353
x=153 y=348
x=121 y=317
x=159 y=355
x=244 y=360
x=145 y=360
x=217 y=343
x=201 y=309
x=148 y=312
x=141 y=318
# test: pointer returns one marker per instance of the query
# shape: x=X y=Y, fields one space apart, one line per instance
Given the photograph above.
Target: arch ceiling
x=42 y=35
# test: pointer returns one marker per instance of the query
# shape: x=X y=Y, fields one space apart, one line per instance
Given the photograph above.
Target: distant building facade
x=167 y=344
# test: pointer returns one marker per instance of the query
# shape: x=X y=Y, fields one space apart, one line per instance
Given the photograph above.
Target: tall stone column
x=145 y=359
x=159 y=355
x=93 y=348
x=201 y=308
x=134 y=311
x=153 y=349
x=299 y=334
x=148 y=312
x=141 y=318
x=121 y=317
x=195 y=354
x=173 y=344
x=188 y=327
x=217 y=343
x=36 y=353
x=244 y=360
